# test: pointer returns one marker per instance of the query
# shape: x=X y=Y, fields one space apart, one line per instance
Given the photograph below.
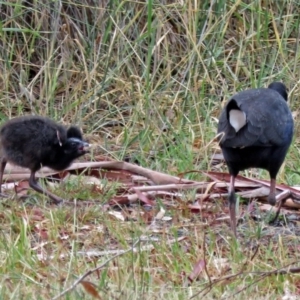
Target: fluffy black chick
x=257 y=130
x=33 y=142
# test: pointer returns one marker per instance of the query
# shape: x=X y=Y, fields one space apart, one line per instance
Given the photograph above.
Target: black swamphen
x=257 y=127
x=33 y=141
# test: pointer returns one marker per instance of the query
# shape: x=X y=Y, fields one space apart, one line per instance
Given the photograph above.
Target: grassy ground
x=146 y=82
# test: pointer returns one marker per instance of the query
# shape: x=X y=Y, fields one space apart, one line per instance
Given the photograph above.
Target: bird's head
x=75 y=147
x=280 y=88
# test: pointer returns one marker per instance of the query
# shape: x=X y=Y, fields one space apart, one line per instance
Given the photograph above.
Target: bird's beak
x=86 y=146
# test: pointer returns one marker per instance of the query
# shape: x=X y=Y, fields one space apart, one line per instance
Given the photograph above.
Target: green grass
x=146 y=80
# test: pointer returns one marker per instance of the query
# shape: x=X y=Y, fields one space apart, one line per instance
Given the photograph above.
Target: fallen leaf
x=117 y=214
x=197 y=270
x=160 y=214
x=143 y=197
x=90 y=288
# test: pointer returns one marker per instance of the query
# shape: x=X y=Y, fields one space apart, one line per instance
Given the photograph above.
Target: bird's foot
x=56 y=200
x=281 y=198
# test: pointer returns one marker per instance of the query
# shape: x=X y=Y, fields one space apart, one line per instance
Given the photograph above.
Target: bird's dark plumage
x=256 y=128
x=33 y=141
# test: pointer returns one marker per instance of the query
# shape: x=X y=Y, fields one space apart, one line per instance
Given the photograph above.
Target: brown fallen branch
x=217 y=176
x=18 y=173
x=159 y=182
x=195 y=185
x=154 y=176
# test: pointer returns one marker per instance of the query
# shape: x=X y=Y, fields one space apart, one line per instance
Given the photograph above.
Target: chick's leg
x=3 y=163
x=35 y=185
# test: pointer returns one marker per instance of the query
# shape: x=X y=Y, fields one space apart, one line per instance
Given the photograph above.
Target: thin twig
x=205 y=266
x=80 y=279
x=282 y=271
x=255 y=252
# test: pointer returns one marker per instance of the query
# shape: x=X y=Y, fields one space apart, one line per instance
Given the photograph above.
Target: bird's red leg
x=232 y=204
x=281 y=198
x=272 y=197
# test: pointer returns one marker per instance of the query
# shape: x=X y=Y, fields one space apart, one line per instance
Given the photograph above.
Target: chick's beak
x=86 y=147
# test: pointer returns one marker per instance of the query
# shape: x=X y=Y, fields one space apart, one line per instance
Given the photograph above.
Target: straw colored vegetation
x=145 y=81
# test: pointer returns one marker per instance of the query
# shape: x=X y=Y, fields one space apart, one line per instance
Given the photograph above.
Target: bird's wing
x=269 y=120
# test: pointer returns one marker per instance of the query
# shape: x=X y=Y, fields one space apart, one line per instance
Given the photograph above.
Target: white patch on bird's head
x=237 y=119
